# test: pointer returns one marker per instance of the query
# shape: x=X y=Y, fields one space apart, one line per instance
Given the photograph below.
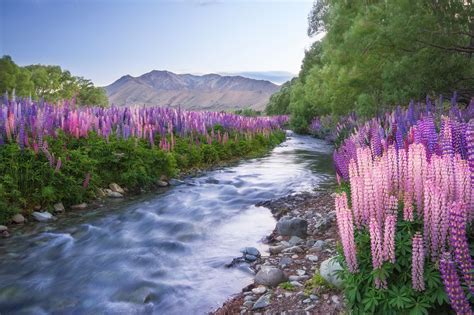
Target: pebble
x=335 y=299
x=300 y=272
x=162 y=183
x=250 y=251
x=312 y=258
x=248 y=303
x=249 y=298
x=307 y=301
x=293 y=249
x=313 y=297
x=259 y=290
x=294 y=256
x=319 y=245
x=295 y=240
x=276 y=249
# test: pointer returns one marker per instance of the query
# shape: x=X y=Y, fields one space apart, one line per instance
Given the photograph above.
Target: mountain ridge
x=196 y=92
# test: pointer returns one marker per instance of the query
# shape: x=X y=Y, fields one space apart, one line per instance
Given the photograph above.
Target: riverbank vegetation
x=378 y=54
x=60 y=152
x=405 y=211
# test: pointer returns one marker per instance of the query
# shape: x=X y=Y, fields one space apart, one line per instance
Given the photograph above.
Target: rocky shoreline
x=297 y=276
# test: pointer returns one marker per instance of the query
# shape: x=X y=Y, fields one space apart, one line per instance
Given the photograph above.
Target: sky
x=103 y=40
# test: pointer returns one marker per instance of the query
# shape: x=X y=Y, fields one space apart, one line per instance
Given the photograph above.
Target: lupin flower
x=389 y=238
x=418 y=262
x=452 y=284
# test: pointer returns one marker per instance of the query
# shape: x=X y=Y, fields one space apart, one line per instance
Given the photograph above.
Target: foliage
x=405 y=211
x=248 y=112
x=378 y=54
x=50 y=83
x=287 y=286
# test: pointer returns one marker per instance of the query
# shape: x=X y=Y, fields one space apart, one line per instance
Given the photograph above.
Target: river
x=160 y=253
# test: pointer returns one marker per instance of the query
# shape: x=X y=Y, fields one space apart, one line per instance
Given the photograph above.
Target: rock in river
x=42 y=216
x=289 y=226
x=270 y=276
x=114 y=194
x=250 y=251
x=328 y=271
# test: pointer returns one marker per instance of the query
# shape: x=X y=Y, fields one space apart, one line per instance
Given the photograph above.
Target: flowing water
x=162 y=253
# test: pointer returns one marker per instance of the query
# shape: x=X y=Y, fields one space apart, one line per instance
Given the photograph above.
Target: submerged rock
x=42 y=216
x=18 y=218
x=270 y=276
x=328 y=271
x=289 y=226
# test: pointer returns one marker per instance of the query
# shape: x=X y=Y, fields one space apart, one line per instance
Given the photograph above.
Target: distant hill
x=196 y=92
x=277 y=77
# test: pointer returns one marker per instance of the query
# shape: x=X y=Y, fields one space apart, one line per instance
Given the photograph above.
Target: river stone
x=312 y=258
x=162 y=183
x=262 y=302
x=59 y=207
x=289 y=226
x=295 y=240
x=328 y=270
x=276 y=249
x=259 y=290
x=42 y=216
x=114 y=194
x=250 y=251
x=285 y=262
x=250 y=257
x=319 y=245
x=100 y=193
x=270 y=276
x=18 y=218
x=3 y=228
x=115 y=187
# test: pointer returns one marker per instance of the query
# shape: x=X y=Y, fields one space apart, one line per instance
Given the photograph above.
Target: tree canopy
x=378 y=54
x=48 y=82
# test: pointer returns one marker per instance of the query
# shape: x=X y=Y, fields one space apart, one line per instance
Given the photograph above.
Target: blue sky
x=104 y=39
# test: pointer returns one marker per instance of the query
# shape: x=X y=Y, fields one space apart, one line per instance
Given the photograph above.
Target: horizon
x=199 y=37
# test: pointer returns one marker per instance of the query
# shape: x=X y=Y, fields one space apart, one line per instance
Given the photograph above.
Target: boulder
x=59 y=207
x=42 y=216
x=289 y=226
x=18 y=218
x=328 y=271
x=270 y=276
x=115 y=187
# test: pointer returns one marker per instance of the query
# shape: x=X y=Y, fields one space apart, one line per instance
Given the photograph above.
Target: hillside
x=206 y=92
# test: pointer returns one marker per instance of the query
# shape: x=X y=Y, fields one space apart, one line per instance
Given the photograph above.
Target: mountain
x=277 y=77
x=196 y=92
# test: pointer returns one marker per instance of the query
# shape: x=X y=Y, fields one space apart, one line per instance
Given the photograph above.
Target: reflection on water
x=162 y=253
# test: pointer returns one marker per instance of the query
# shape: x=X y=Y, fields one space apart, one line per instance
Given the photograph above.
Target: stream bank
x=300 y=259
